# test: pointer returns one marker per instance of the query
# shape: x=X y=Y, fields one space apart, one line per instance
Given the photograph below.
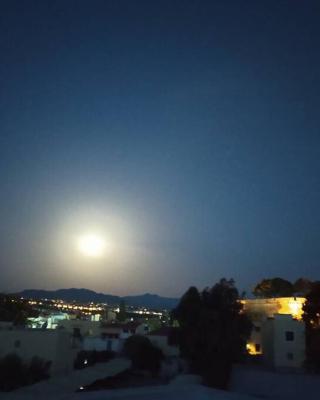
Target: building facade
x=55 y=346
x=278 y=333
x=111 y=336
x=283 y=342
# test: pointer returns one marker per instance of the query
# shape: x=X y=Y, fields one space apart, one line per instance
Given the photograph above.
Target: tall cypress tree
x=122 y=314
x=213 y=331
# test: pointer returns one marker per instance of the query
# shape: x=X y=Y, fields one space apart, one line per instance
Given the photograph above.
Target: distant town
x=53 y=311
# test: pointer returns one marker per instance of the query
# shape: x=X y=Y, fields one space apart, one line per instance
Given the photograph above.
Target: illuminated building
x=50 y=321
x=275 y=319
x=259 y=309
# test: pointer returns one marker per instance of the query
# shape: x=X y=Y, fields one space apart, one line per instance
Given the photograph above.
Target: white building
x=50 y=321
x=91 y=343
x=81 y=327
x=283 y=342
x=111 y=336
x=278 y=333
x=50 y=345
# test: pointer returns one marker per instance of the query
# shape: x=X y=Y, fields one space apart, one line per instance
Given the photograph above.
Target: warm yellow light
x=92 y=245
x=251 y=349
x=272 y=306
x=293 y=306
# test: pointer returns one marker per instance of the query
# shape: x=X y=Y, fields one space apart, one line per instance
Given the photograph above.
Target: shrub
x=15 y=373
x=39 y=369
x=143 y=354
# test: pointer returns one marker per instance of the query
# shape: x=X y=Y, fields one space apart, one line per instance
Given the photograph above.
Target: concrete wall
x=6 y=325
x=87 y=328
x=287 y=353
x=267 y=340
x=99 y=344
x=123 y=332
x=162 y=343
x=51 y=345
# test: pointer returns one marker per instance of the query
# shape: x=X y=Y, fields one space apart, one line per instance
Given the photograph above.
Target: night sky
x=185 y=132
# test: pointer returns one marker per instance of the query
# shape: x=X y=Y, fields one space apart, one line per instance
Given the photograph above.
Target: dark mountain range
x=152 y=301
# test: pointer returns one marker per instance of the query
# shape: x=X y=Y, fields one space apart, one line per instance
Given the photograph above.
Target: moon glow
x=92 y=245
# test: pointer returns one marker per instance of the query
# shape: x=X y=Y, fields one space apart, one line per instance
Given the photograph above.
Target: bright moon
x=92 y=245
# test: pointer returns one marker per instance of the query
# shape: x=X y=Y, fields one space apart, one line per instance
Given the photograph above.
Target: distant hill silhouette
x=85 y=295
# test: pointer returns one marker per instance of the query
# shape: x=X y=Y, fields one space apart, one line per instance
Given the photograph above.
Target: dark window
x=257 y=328
x=289 y=336
x=125 y=331
x=17 y=344
x=76 y=332
x=289 y=356
x=258 y=347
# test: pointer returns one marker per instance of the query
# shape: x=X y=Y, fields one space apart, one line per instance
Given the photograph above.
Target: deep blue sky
x=186 y=131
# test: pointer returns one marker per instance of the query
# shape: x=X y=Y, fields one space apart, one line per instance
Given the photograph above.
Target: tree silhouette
x=15 y=310
x=122 y=314
x=311 y=317
x=143 y=354
x=187 y=313
x=15 y=373
x=275 y=287
x=302 y=286
x=212 y=331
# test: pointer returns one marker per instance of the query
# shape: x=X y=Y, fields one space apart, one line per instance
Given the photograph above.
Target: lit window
x=289 y=336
